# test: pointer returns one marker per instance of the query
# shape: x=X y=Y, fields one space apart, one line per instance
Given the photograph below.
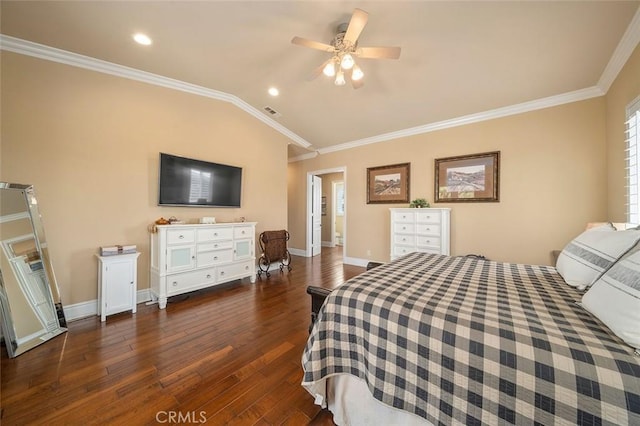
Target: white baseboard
x=355 y=261
x=90 y=308
x=346 y=260
x=298 y=252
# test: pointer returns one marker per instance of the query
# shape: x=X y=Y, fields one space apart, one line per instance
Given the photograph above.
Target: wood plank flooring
x=226 y=355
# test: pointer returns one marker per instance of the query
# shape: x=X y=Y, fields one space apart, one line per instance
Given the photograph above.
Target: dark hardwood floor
x=227 y=355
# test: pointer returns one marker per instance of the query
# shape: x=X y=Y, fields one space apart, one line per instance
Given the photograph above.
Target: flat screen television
x=197 y=183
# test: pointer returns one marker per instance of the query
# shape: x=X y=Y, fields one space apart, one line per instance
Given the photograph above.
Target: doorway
x=326 y=210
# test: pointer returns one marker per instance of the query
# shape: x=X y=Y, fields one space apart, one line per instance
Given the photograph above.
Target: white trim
x=48 y=53
x=578 y=95
x=90 y=307
x=14 y=216
x=328 y=244
x=356 y=261
x=625 y=48
x=298 y=252
x=308 y=156
x=80 y=310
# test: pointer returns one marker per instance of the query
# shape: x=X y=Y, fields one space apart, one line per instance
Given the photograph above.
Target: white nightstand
x=117 y=284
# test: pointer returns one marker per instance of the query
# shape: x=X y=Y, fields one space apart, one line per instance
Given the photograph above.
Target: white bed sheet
x=352 y=404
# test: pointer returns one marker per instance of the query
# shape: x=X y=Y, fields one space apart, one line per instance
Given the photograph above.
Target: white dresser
x=185 y=258
x=422 y=230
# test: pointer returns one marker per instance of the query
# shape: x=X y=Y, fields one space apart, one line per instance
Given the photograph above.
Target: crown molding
x=578 y=95
x=625 y=48
x=308 y=156
x=53 y=54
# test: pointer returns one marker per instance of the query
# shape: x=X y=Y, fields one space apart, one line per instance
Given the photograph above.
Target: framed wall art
x=468 y=178
x=388 y=184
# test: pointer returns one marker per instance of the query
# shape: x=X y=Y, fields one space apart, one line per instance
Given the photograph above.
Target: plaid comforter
x=462 y=340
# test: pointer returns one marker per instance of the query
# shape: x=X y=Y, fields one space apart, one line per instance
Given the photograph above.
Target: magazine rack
x=274 y=249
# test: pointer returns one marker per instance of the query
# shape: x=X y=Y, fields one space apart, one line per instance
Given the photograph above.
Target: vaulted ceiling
x=458 y=60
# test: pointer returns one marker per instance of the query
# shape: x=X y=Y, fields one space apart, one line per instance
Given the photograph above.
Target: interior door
x=316 y=213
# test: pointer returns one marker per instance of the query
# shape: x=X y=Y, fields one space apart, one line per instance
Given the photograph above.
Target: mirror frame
x=17 y=345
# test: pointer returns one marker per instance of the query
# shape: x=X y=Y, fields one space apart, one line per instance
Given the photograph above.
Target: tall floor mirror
x=30 y=306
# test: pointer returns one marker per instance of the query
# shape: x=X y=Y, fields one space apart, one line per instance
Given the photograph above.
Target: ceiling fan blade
x=312 y=44
x=378 y=52
x=316 y=72
x=356 y=25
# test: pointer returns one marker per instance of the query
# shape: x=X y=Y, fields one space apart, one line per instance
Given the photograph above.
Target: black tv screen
x=189 y=182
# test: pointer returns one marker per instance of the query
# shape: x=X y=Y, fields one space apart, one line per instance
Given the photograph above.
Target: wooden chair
x=274 y=248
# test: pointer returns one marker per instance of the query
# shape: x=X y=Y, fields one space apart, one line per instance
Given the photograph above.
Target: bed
x=432 y=339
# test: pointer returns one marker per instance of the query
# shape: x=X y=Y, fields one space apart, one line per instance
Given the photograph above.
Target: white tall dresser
x=420 y=229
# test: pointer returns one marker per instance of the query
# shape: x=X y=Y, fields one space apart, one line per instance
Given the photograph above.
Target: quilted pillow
x=591 y=253
x=615 y=298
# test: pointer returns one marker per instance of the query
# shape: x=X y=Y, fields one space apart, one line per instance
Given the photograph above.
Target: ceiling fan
x=343 y=48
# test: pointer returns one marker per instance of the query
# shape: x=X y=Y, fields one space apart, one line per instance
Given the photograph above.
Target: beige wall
x=553 y=181
x=623 y=91
x=89 y=144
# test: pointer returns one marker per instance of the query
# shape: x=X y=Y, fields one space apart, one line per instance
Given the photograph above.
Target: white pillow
x=615 y=298
x=591 y=253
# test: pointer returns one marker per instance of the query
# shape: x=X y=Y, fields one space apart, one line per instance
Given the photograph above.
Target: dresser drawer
x=209 y=258
x=425 y=241
x=404 y=239
x=236 y=270
x=407 y=228
x=180 y=236
x=220 y=245
x=428 y=229
x=181 y=283
x=429 y=217
x=402 y=250
x=215 y=234
x=404 y=217
x=242 y=232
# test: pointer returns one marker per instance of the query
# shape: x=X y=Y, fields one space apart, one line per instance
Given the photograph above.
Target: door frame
x=309 y=219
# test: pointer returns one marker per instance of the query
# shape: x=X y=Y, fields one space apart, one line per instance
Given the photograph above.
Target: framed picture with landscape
x=468 y=178
x=388 y=184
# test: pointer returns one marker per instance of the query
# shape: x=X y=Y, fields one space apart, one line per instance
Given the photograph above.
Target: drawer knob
x=175 y=283
x=215 y=245
x=215 y=257
x=208 y=275
x=221 y=273
x=404 y=228
x=181 y=236
x=246 y=268
x=193 y=257
x=215 y=234
x=404 y=239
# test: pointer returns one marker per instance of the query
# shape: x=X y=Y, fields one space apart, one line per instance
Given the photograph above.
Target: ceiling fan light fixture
x=357 y=73
x=340 y=81
x=330 y=69
x=347 y=62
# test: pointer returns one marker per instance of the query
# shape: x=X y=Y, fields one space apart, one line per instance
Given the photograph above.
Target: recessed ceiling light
x=273 y=91
x=142 y=39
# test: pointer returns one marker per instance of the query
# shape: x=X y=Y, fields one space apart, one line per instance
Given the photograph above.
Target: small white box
x=207 y=220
